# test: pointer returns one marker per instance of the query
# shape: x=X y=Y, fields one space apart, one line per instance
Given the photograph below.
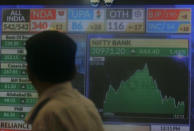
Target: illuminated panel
x=140 y=80
x=169 y=20
x=14 y=126
x=86 y=20
x=16 y=20
x=48 y=19
x=34 y=20
x=169 y=127
x=79 y=81
x=17 y=95
x=125 y=20
x=138 y=47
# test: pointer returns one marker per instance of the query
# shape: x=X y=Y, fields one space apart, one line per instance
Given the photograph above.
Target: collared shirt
x=63 y=108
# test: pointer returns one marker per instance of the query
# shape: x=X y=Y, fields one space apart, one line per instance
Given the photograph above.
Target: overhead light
x=94 y=3
x=108 y=2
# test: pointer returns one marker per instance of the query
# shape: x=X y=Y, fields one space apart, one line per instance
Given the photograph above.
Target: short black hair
x=51 y=56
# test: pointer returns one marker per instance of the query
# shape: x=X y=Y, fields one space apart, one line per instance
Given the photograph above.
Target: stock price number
x=15 y=27
x=178 y=52
x=185 y=28
x=8 y=86
x=169 y=127
x=58 y=27
x=9 y=114
x=9 y=100
x=134 y=27
x=77 y=26
x=96 y=27
x=29 y=101
x=37 y=26
x=116 y=26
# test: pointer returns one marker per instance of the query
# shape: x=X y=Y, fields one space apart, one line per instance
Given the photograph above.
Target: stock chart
x=131 y=78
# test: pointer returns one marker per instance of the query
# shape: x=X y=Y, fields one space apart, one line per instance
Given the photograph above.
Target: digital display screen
x=168 y=20
x=34 y=20
x=133 y=62
x=139 y=79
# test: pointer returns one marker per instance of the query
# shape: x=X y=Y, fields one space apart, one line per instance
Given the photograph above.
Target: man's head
x=51 y=57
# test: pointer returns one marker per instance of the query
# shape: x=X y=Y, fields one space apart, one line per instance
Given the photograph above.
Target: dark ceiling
x=87 y=2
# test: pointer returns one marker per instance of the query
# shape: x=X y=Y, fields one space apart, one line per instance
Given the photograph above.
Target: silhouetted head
x=51 y=57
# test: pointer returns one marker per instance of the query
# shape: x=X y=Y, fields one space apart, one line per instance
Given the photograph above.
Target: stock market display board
x=132 y=62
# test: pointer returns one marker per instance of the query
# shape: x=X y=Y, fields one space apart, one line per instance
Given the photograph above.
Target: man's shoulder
x=71 y=112
x=68 y=103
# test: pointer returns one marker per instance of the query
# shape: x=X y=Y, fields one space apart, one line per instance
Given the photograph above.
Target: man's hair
x=51 y=56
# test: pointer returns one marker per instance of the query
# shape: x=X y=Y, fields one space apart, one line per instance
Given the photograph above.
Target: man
x=51 y=68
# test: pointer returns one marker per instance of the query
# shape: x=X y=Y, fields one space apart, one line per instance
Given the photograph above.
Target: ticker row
x=96 y=20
